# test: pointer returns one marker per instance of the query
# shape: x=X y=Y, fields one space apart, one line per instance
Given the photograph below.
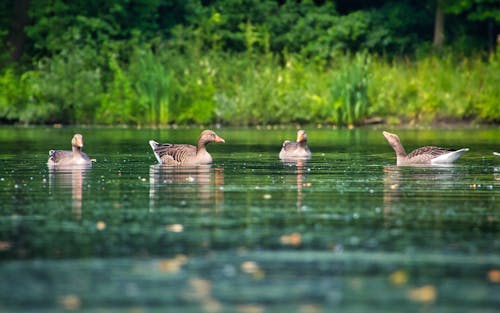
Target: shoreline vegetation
x=154 y=89
x=381 y=124
x=223 y=63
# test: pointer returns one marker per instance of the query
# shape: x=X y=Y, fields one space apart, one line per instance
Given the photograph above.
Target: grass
x=251 y=88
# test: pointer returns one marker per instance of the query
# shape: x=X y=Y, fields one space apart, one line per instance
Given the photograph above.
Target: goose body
x=185 y=154
x=296 y=149
x=425 y=155
x=69 y=158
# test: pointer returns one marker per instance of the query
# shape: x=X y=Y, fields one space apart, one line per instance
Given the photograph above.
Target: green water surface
x=347 y=231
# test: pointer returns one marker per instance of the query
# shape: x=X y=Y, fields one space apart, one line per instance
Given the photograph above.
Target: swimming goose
x=297 y=149
x=424 y=155
x=69 y=158
x=185 y=154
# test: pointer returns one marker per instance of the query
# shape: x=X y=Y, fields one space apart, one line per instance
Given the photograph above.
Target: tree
x=17 y=36
x=487 y=11
x=439 y=26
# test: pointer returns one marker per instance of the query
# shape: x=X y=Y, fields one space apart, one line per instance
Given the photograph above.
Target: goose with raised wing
x=185 y=154
x=296 y=149
x=69 y=158
x=424 y=155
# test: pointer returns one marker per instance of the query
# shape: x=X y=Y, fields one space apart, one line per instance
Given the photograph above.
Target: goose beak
x=219 y=139
x=78 y=143
x=387 y=135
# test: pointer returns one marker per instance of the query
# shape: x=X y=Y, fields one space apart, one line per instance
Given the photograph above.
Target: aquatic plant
x=350 y=79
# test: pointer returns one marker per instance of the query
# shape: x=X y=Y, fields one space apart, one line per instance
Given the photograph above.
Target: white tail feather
x=154 y=145
x=449 y=157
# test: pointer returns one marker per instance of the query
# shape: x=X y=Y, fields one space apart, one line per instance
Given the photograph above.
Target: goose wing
x=289 y=146
x=167 y=153
x=293 y=149
x=430 y=151
x=58 y=155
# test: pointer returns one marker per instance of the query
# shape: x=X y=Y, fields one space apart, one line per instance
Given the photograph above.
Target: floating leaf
x=294 y=239
x=423 y=294
x=172 y=265
x=100 y=225
x=70 y=302
x=494 y=276
x=253 y=269
x=175 y=228
x=398 y=277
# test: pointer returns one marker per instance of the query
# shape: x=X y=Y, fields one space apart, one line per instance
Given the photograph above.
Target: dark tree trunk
x=492 y=36
x=439 y=25
x=17 y=36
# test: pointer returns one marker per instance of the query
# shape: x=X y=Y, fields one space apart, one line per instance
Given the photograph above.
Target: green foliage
x=193 y=79
x=253 y=90
x=478 y=10
x=487 y=80
x=58 y=24
x=312 y=29
x=119 y=103
x=152 y=83
x=63 y=89
x=247 y=62
x=12 y=95
x=349 y=90
x=249 y=88
x=436 y=88
x=320 y=30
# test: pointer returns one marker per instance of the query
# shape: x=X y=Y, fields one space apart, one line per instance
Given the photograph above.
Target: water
x=347 y=231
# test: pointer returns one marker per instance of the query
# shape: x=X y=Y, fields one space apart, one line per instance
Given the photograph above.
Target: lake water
x=346 y=231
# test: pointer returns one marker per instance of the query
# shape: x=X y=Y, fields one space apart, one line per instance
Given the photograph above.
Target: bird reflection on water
x=199 y=186
x=70 y=177
x=300 y=179
x=421 y=184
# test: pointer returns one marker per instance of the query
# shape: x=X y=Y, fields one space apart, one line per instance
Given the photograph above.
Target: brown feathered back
x=185 y=154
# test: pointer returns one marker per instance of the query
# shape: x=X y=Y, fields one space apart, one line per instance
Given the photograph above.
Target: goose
x=185 y=154
x=424 y=155
x=297 y=149
x=69 y=158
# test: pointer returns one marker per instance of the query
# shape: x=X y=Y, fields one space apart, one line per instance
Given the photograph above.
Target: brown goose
x=184 y=154
x=297 y=149
x=424 y=155
x=69 y=158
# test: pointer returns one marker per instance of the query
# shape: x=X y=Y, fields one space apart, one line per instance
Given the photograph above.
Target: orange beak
x=78 y=142
x=219 y=139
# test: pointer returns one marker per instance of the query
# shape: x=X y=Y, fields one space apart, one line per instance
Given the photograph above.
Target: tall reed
x=153 y=85
x=350 y=79
x=183 y=86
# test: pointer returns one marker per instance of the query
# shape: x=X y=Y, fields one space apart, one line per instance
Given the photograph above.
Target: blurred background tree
x=35 y=29
x=166 y=61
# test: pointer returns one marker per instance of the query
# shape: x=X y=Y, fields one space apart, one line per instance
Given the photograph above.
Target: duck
x=425 y=155
x=68 y=158
x=496 y=154
x=297 y=149
x=186 y=154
